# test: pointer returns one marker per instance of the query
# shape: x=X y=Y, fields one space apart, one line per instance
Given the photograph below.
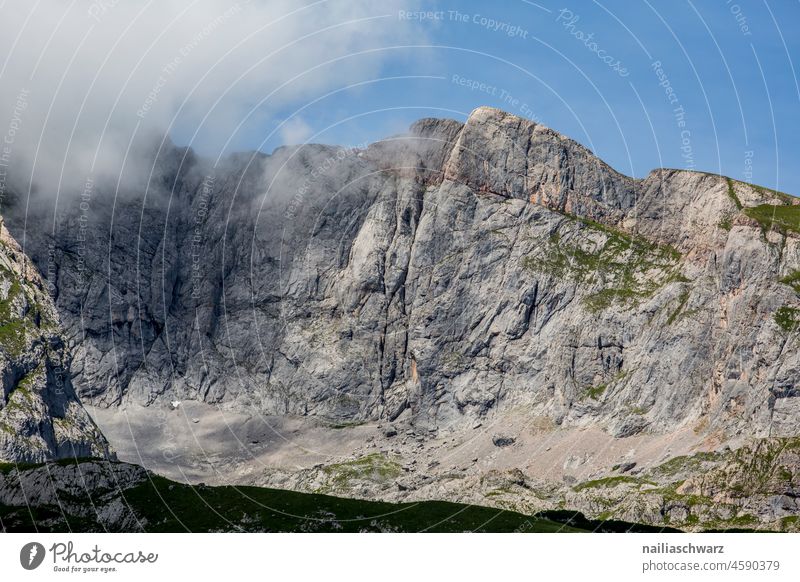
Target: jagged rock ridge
x=439 y=276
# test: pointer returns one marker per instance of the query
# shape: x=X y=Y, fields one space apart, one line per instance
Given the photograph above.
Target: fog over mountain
x=92 y=86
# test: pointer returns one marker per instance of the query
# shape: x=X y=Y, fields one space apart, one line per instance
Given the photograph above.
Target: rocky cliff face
x=40 y=416
x=438 y=277
x=70 y=496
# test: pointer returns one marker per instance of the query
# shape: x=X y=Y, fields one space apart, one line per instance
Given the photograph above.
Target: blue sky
x=734 y=105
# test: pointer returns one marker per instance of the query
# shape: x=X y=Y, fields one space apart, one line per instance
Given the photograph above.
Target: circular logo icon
x=31 y=555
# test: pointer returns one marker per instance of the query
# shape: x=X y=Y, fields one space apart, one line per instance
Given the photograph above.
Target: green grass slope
x=161 y=505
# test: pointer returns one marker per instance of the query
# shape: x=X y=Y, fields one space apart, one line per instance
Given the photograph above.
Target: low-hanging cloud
x=86 y=87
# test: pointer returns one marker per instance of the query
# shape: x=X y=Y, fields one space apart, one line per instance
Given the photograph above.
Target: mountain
x=41 y=418
x=489 y=274
x=444 y=273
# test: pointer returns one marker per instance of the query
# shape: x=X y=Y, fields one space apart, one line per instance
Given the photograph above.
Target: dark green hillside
x=161 y=505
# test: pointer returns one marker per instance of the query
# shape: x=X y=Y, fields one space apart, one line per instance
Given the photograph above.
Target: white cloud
x=100 y=76
x=295 y=131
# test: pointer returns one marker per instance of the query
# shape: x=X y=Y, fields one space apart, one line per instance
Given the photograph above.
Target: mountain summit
x=443 y=274
x=440 y=279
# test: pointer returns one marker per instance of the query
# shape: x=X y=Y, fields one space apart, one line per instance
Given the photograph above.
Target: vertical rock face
x=40 y=416
x=443 y=275
x=515 y=158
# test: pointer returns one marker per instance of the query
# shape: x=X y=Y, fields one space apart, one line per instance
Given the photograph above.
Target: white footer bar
x=400 y=557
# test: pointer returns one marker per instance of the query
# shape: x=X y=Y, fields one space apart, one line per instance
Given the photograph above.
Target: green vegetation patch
x=608 y=482
x=16 y=326
x=793 y=280
x=732 y=194
x=21 y=397
x=686 y=463
x=595 y=392
x=757 y=467
x=780 y=218
x=347 y=424
x=12 y=337
x=690 y=501
x=375 y=467
x=787 y=318
x=627 y=268
x=682 y=300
